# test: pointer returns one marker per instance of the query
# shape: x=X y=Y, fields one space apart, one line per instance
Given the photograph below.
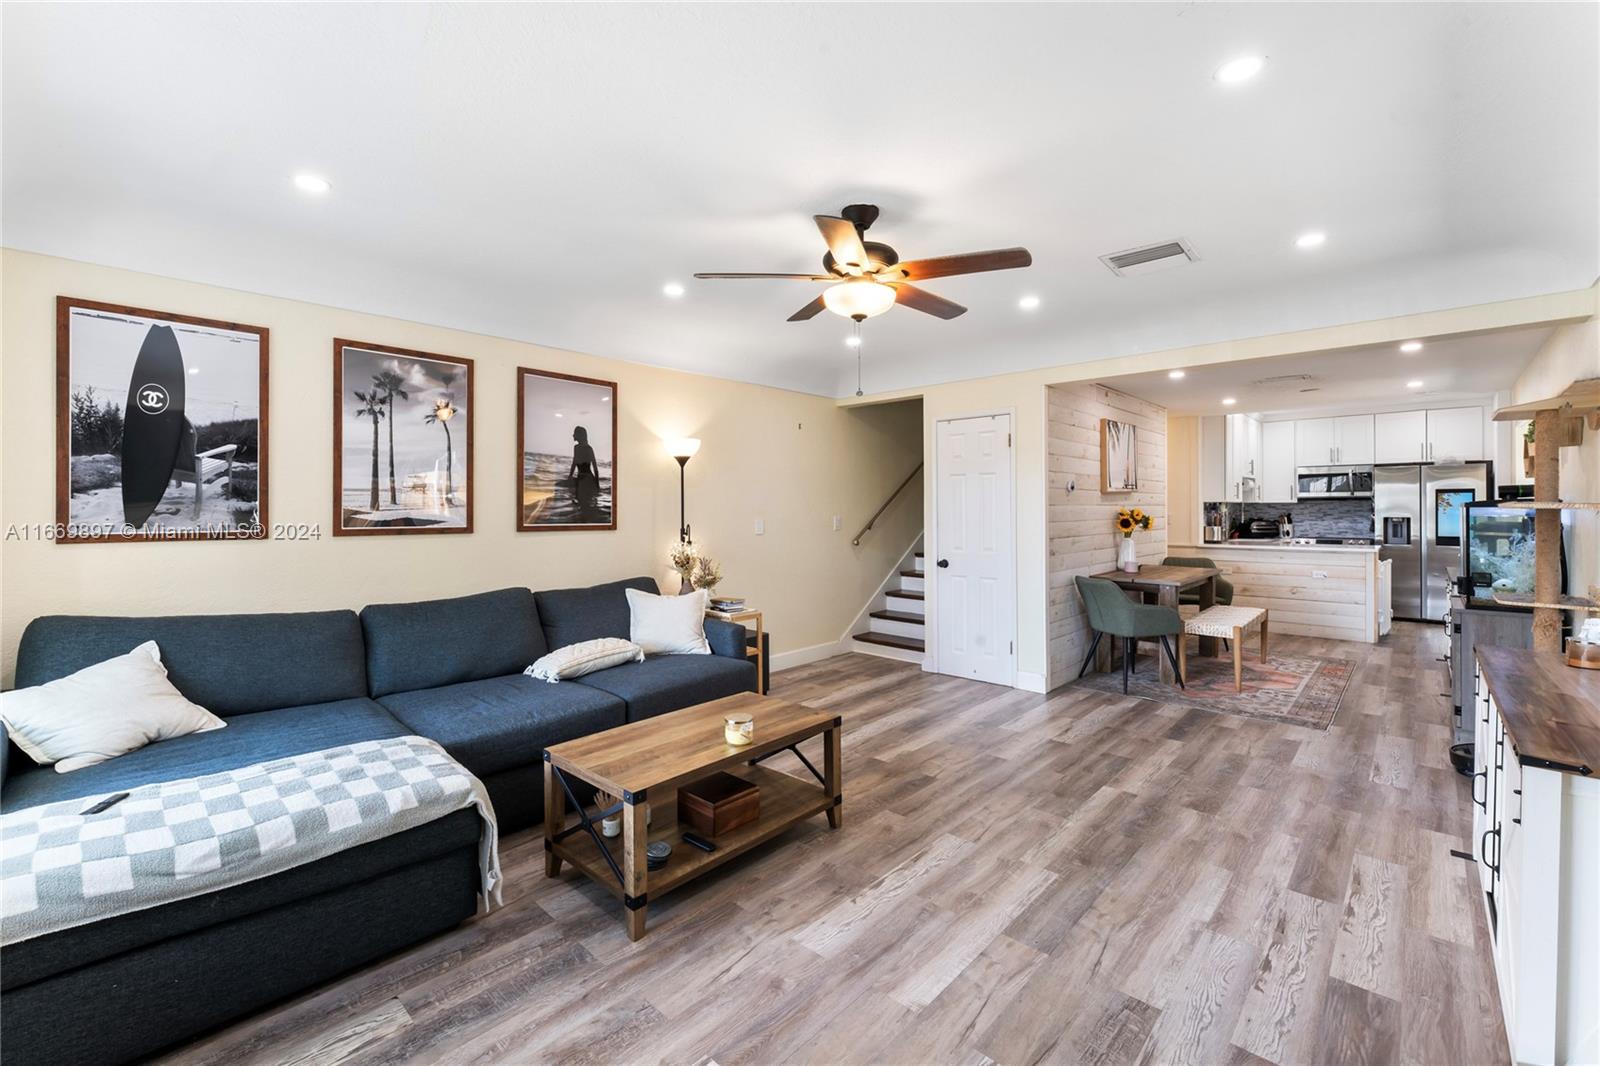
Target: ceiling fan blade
x=945 y=266
x=795 y=277
x=844 y=242
x=810 y=310
x=925 y=301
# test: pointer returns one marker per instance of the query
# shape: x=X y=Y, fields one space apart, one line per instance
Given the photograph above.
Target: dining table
x=1165 y=584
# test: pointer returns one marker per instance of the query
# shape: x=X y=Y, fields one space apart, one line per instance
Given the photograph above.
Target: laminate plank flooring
x=1077 y=877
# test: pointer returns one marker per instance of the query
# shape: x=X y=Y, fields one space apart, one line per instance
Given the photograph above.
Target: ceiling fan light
x=858 y=298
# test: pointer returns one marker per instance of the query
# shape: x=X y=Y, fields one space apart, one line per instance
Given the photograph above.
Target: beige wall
x=1572 y=354
x=1082 y=537
x=791 y=459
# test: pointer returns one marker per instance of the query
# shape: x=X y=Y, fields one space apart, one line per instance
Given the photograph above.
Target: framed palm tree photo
x=567 y=441
x=402 y=441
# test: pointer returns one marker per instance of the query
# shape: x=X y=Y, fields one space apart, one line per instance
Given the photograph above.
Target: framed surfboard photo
x=161 y=425
x=567 y=441
x=402 y=441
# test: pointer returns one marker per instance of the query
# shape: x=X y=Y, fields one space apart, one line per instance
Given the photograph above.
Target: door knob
x=943 y=564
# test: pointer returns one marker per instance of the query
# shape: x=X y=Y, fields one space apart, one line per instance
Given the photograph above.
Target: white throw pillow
x=102 y=711
x=585 y=657
x=668 y=625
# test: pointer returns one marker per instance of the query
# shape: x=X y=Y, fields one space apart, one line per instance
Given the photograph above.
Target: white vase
x=1127 y=560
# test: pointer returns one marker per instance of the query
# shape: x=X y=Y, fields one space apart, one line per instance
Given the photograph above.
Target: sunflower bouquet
x=1129 y=520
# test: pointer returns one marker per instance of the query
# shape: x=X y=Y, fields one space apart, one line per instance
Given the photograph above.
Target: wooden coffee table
x=644 y=763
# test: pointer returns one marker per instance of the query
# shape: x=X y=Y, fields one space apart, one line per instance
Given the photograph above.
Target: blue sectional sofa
x=450 y=670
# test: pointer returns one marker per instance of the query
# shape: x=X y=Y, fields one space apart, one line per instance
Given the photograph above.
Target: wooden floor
x=1019 y=879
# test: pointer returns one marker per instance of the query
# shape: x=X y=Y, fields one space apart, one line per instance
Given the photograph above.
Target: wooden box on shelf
x=718 y=804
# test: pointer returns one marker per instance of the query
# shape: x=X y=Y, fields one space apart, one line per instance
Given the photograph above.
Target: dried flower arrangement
x=683 y=558
x=707 y=574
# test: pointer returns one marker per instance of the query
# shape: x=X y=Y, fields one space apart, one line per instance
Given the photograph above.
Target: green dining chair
x=1111 y=613
x=1224 y=586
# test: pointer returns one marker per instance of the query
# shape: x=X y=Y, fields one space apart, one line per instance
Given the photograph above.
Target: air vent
x=1151 y=257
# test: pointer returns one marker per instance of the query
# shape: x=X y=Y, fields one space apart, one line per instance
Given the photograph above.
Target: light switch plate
x=761 y=526
x=837 y=523
x=1322 y=574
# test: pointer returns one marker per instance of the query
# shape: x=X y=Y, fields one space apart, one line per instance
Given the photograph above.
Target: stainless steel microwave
x=1333 y=483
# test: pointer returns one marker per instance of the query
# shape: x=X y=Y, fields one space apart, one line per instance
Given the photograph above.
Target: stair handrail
x=856 y=541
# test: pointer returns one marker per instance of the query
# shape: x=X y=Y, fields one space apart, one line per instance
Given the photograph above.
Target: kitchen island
x=1312 y=590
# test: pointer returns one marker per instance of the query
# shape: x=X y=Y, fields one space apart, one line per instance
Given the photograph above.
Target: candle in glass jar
x=738 y=729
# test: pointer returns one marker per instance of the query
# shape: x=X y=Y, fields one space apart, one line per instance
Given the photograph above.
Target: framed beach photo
x=1119 y=456
x=567 y=440
x=161 y=425
x=402 y=441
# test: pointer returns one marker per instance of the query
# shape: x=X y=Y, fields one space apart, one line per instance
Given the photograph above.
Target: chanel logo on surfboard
x=152 y=399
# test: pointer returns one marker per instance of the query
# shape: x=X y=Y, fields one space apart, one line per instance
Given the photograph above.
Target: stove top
x=1366 y=541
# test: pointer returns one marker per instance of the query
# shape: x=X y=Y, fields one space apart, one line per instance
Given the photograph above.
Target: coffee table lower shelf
x=785 y=801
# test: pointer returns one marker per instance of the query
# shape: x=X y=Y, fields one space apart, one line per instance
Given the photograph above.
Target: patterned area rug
x=1299 y=689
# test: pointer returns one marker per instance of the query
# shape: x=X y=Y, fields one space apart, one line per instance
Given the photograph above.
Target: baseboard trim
x=1030 y=682
x=802 y=656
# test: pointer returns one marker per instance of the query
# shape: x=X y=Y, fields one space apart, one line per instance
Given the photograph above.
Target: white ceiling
x=539 y=171
x=1463 y=368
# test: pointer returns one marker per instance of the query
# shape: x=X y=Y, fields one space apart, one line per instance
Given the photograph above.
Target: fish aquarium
x=1497 y=551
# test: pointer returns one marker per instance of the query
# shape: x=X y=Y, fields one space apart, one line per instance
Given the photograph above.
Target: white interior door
x=974 y=569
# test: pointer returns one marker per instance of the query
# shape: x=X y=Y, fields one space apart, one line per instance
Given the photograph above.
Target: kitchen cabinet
x=1352 y=440
x=1455 y=434
x=1400 y=437
x=1343 y=441
x=1536 y=843
x=1230 y=459
x=1277 y=462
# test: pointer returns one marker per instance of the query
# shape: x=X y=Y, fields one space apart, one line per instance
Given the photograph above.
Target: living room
x=456 y=604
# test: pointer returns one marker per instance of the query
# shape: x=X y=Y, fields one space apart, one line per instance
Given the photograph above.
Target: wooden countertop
x=1551 y=710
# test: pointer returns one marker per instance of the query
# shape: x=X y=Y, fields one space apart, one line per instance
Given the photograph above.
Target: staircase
x=895 y=621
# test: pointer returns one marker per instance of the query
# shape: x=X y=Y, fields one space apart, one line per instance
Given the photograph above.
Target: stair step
x=912 y=573
x=903 y=594
x=917 y=555
x=904 y=643
x=900 y=616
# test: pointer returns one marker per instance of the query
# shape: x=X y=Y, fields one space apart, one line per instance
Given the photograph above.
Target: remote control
x=106 y=804
x=694 y=840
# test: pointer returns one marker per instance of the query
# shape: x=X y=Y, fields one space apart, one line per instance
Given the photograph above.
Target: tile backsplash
x=1312 y=518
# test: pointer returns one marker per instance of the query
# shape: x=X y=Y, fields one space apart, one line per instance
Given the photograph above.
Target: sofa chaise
x=449 y=670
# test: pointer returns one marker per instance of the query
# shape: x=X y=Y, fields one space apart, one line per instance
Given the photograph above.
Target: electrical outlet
x=837 y=523
x=1321 y=575
x=761 y=527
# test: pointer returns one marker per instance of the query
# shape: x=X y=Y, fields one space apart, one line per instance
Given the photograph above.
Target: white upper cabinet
x=1313 y=442
x=1455 y=434
x=1277 y=462
x=1352 y=439
x=1252 y=444
x=1401 y=437
x=1230 y=459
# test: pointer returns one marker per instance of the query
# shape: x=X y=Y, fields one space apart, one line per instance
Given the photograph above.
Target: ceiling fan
x=869 y=277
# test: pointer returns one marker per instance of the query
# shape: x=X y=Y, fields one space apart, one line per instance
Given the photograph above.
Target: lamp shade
x=858 y=298
x=683 y=447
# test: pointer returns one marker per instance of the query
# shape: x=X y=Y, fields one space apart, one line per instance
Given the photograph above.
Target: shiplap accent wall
x=1082 y=534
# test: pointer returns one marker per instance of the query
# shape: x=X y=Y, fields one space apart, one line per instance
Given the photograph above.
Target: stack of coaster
x=657 y=854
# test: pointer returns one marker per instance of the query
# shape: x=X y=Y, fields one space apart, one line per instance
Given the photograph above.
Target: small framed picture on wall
x=1119 y=456
x=402 y=441
x=161 y=425
x=567 y=452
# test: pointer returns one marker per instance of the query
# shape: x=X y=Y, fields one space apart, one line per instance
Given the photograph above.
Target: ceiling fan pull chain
x=858 y=358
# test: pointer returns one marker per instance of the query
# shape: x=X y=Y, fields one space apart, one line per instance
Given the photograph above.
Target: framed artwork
x=402 y=441
x=567 y=440
x=161 y=425
x=1119 y=456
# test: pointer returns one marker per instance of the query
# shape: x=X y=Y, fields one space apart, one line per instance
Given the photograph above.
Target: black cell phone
x=695 y=840
x=106 y=804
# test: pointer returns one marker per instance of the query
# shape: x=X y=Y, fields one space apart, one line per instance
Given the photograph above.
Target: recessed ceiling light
x=672 y=289
x=1029 y=302
x=1242 y=69
x=311 y=183
x=1411 y=346
x=1315 y=239
x=852 y=342
x=560 y=415
x=1229 y=401
x=1413 y=384
x=194 y=370
x=1174 y=374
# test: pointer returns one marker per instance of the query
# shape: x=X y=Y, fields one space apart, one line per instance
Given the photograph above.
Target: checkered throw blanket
x=60 y=868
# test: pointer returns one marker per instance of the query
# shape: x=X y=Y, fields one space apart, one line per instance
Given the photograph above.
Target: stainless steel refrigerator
x=1418 y=510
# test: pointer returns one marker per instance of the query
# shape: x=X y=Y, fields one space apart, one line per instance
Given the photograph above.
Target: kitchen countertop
x=1274 y=544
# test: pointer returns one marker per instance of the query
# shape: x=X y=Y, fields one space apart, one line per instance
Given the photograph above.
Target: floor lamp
x=683 y=450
